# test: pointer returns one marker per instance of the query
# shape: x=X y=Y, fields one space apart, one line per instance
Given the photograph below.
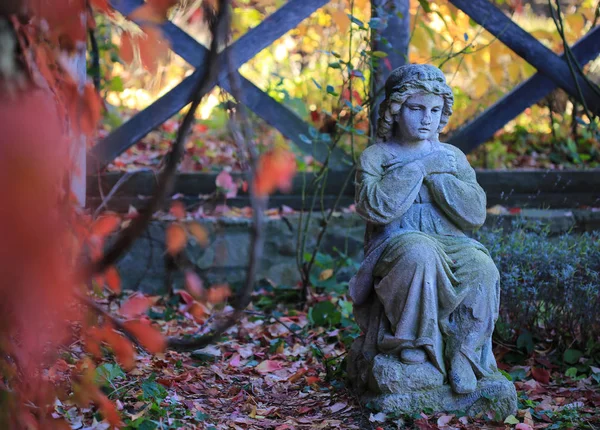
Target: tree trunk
x=390 y=25
x=77 y=64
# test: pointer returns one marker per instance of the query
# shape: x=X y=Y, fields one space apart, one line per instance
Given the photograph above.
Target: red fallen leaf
x=198 y=311
x=105 y=225
x=269 y=366
x=170 y=126
x=126 y=48
x=165 y=382
x=136 y=305
x=201 y=128
x=310 y=380
x=177 y=210
x=193 y=284
x=541 y=375
x=523 y=426
x=176 y=238
x=296 y=376
x=147 y=335
x=187 y=298
x=113 y=280
x=218 y=293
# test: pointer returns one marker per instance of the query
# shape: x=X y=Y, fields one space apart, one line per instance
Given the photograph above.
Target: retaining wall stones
x=147 y=268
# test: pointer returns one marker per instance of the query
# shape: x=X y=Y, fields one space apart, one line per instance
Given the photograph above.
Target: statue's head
x=413 y=81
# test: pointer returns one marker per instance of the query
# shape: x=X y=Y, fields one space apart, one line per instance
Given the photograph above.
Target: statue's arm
x=385 y=194
x=459 y=196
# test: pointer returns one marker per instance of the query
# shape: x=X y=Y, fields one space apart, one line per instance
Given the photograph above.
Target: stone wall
x=224 y=260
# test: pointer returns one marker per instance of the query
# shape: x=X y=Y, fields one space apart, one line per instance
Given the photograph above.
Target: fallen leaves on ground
x=274 y=370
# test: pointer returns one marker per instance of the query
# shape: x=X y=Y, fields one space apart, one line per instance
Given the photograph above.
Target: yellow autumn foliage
x=297 y=69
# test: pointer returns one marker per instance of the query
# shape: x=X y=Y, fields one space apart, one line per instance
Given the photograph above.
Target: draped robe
x=439 y=288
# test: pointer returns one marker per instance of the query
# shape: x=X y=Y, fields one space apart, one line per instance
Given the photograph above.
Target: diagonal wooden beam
x=246 y=47
x=272 y=112
x=529 y=48
x=482 y=128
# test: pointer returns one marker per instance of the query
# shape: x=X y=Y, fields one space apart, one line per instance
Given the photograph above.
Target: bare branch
x=219 y=29
x=116 y=322
x=243 y=139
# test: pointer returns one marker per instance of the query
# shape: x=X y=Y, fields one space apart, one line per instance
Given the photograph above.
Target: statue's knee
x=419 y=254
x=487 y=271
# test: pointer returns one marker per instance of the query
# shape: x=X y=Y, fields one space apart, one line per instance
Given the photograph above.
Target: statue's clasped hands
x=438 y=161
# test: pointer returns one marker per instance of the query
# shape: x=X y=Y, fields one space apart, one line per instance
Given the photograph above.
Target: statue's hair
x=407 y=81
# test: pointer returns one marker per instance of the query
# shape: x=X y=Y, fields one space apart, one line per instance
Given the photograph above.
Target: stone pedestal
x=412 y=388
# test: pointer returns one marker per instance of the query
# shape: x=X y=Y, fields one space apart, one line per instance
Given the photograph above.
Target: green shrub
x=550 y=286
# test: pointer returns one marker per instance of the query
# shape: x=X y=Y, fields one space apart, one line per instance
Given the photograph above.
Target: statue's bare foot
x=461 y=376
x=413 y=355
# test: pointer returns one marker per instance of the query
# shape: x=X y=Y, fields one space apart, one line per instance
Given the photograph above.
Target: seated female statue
x=434 y=290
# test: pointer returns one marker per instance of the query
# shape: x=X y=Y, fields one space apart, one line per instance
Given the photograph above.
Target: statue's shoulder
x=452 y=148
x=374 y=156
x=459 y=154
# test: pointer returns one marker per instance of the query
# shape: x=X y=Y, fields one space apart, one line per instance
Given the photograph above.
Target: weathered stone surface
x=493 y=394
x=389 y=375
x=426 y=295
x=143 y=267
x=225 y=258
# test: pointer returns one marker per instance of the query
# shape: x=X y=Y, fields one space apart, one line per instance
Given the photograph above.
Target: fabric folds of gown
x=439 y=288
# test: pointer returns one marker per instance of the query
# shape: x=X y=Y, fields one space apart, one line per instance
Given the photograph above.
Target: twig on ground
x=296 y=335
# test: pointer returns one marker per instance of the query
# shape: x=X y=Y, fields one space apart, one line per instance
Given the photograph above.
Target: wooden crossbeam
x=272 y=112
x=479 y=130
x=529 y=48
x=245 y=48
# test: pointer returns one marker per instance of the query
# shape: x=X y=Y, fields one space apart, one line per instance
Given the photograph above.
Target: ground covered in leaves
x=281 y=368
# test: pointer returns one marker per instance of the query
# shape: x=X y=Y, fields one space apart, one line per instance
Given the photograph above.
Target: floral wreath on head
x=407 y=81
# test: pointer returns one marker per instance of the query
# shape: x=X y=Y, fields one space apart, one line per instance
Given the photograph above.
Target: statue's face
x=419 y=117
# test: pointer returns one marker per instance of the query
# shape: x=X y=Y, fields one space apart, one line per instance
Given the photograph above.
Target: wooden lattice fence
x=553 y=71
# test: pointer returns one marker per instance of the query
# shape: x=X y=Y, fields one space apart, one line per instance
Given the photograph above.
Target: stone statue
x=426 y=295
